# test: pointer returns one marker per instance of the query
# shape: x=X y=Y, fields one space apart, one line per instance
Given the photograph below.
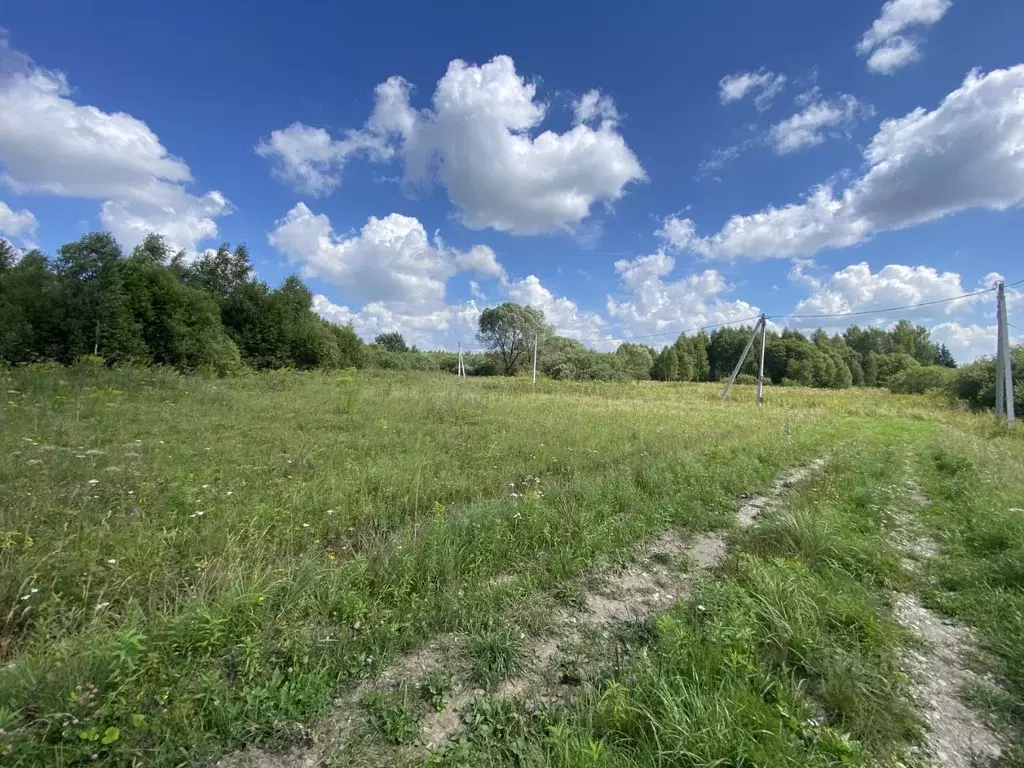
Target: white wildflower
x=94 y=481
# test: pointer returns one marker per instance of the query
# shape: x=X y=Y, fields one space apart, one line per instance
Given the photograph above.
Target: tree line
x=856 y=357
x=213 y=314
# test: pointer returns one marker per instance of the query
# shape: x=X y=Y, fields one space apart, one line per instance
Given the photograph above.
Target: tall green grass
x=787 y=657
x=976 y=484
x=211 y=559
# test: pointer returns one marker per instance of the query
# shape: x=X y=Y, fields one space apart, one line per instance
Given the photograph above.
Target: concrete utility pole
x=535 y=360
x=746 y=350
x=1004 y=361
x=760 y=375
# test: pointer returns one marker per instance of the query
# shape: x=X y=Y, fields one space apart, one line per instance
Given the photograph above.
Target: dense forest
x=213 y=315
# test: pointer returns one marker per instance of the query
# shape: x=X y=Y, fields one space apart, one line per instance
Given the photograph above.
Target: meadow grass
x=193 y=565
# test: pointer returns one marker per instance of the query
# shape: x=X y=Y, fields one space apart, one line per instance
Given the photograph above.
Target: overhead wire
x=821 y=316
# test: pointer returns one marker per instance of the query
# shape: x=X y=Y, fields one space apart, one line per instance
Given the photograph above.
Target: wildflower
x=111 y=561
x=197 y=513
x=205 y=486
x=231 y=493
x=305 y=525
x=94 y=481
x=330 y=511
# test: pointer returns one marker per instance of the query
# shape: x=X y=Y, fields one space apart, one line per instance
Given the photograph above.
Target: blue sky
x=630 y=171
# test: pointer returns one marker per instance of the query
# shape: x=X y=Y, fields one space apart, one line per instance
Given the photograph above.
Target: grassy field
x=190 y=567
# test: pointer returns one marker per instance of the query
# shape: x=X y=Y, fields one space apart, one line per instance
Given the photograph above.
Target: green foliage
x=207 y=316
x=392 y=342
x=510 y=330
x=979 y=575
x=436 y=687
x=917 y=380
x=976 y=383
x=206 y=633
x=636 y=361
x=666 y=365
x=393 y=715
x=496 y=654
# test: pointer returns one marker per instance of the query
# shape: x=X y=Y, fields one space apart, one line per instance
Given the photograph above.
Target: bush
x=917 y=381
x=976 y=383
x=746 y=378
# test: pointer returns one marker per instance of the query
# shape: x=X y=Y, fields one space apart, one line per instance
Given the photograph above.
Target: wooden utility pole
x=746 y=350
x=1004 y=361
x=760 y=375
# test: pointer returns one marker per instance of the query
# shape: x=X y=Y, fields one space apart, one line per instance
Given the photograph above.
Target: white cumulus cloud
x=594 y=105
x=819 y=119
x=561 y=312
x=966 y=153
x=391 y=260
x=968 y=342
x=887 y=49
x=21 y=224
x=50 y=144
x=310 y=161
x=656 y=304
x=767 y=85
x=892 y=55
x=857 y=289
x=482 y=139
x=441 y=328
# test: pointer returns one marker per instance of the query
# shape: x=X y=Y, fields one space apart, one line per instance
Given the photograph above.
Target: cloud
x=391 y=260
x=594 y=105
x=309 y=161
x=819 y=119
x=441 y=328
x=892 y=55
x=888 y=50
x=482 y=260
x=480 y=141
x=51 y=145
x=966 y=342
x=857 y=289
x=766 y=84
x=964 y=154
x=21 y=224
x=658 y=305
x=561 y=312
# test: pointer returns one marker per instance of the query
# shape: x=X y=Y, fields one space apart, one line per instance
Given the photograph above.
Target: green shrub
x=917 y=381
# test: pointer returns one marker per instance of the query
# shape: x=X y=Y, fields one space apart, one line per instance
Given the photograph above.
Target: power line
x=887 y=309
x=859 y=313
